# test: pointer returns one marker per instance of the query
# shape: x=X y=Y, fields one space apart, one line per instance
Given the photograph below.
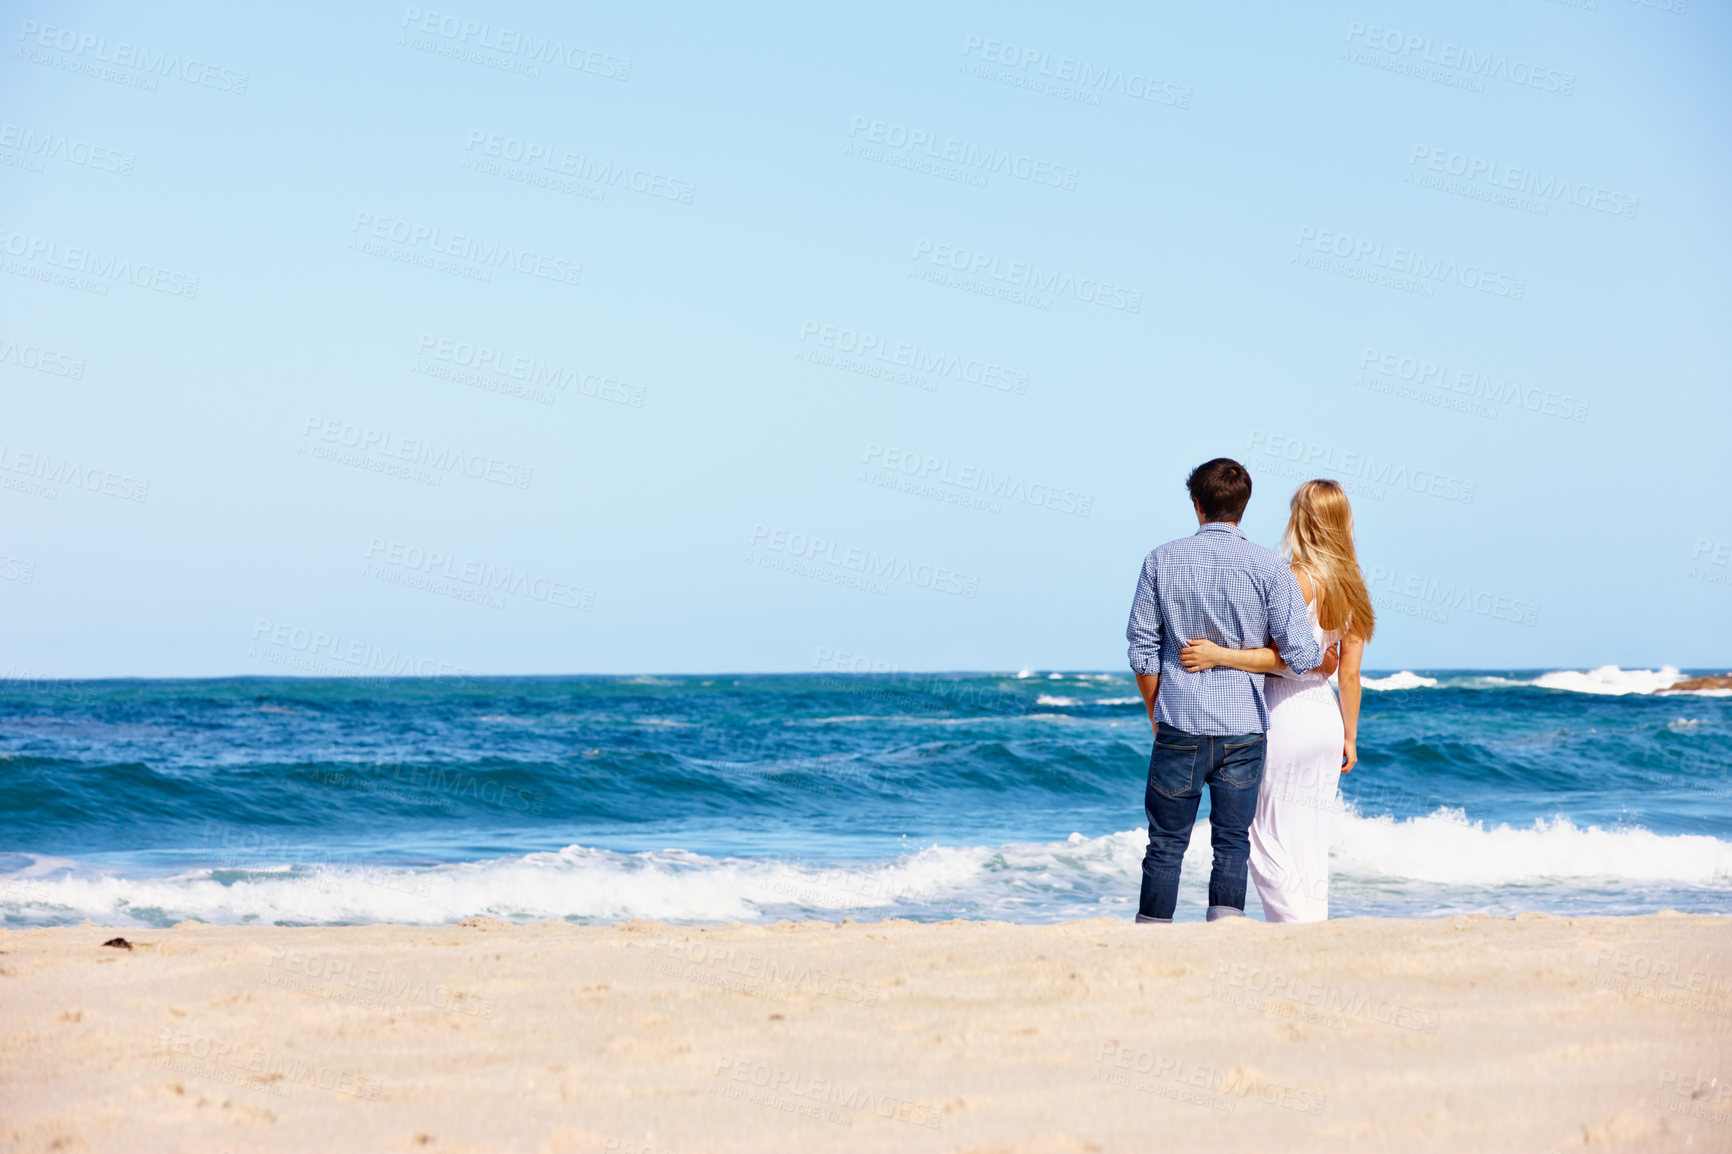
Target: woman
x=1312 y=736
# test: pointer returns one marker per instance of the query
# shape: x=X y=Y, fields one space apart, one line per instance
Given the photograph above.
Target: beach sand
x=1468 y=1033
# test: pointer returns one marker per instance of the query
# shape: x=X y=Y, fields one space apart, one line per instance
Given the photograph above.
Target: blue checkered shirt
x=1216 y=584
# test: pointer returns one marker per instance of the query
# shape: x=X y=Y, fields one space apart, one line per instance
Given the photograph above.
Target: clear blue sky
x=536 y=339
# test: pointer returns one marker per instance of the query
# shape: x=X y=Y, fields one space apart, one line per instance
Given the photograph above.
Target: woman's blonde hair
x=1319 y=539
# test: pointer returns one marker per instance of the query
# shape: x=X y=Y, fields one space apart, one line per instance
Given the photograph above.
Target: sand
x=1458 y=1034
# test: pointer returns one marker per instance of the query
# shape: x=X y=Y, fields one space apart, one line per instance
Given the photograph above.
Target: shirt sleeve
x=1144 y=629
x=1290 y=626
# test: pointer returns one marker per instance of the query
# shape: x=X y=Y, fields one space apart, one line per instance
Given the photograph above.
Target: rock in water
x=1712 y=681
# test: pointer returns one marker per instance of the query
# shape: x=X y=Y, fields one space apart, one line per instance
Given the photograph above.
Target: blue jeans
x=1180 y=765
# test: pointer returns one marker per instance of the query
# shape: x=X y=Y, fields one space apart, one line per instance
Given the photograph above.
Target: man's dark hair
x=1221 y=488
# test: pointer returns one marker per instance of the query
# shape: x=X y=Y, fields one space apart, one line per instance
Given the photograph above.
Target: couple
x=1213 y=614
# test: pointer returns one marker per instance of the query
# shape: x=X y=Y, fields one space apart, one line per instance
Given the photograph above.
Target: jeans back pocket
x=1242 y=760
x=1172 y=767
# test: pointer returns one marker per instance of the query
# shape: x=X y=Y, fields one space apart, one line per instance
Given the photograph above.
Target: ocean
x=1015 y=797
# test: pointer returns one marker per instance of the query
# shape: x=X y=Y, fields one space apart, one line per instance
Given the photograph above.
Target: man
x=1209 y=725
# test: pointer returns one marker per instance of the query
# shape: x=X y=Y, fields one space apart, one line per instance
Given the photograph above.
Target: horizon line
x=1026 y=674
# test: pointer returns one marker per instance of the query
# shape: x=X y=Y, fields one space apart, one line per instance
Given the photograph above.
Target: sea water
x=705 y=799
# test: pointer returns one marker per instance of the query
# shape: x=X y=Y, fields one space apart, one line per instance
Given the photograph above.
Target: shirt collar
x=1221 y=527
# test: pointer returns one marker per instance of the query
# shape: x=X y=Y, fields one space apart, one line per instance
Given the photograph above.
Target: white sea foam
x=1063 y=702
x=1609 y=679
x=1402 y=680
x=600 y=885
x=1049 y=699
x=1447 y=848
x=1443 y=862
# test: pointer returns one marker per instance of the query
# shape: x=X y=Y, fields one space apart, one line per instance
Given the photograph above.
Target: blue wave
x=146 y=778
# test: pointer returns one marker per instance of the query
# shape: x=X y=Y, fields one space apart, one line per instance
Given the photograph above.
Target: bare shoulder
x=1304 y=580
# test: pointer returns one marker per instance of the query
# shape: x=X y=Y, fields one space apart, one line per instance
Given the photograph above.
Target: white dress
x=1301 y=779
